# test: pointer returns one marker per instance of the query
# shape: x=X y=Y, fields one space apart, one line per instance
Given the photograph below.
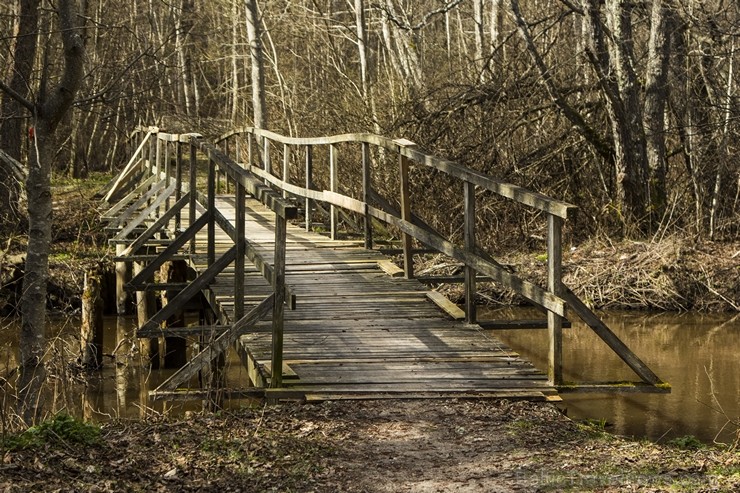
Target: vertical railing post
x=408 y=259
x=469 y=232
x=227 y=182
x=286 y=167
x=366 y=184
x=158 y=159
x=309 y=184
x=153 y=139
x=178 y=181
x=211 y=207
x=158 y=167
x=167 y=170
x=278 y=285
x=554 y=285
x=192 y=185
x=266 y=154
x=237 y=150
x=240 y=250
x=250 y=151
x=333 y=186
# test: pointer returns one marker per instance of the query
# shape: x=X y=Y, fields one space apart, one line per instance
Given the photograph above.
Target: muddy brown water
x=696 y=353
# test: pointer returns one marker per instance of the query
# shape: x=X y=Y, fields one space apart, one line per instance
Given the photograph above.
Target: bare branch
x=17 y=97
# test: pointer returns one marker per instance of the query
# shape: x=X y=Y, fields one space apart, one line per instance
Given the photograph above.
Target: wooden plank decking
x=357 y=332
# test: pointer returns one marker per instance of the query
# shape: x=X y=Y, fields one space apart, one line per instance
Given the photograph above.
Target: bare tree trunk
x=656 y=96
x=48 y=114
x=11 y=132
x=254 y=36
x=235 y=52
x=478 y=30
x=724 y=149
x=365 y=79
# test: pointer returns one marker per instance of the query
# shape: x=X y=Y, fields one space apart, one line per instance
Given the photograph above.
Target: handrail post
x=167 y=171
x=211 y=207
x=286 y=167
x=408 y=259
x=250 y=151
x=469 y=232
x=240 y=251
x=366 y=187
x=554 y=285
x=227 y=183
x=309 y=184
x=333 y=186
x=158 y=168
x=278 y=285
x=266 y=155
x=193 y=184
x=178 y=181
x=152 y=153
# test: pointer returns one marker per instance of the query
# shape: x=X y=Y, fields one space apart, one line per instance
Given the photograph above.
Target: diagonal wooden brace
x=168 y=252
x=176 y=304
x=203 y=360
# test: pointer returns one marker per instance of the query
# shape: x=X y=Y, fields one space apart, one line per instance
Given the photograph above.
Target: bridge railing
x=170 y=182
x=364 y=199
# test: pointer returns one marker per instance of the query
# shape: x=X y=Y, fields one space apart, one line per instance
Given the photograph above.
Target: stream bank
x=415 y=446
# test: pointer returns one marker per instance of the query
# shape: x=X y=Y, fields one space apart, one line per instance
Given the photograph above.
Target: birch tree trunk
x=254 y=31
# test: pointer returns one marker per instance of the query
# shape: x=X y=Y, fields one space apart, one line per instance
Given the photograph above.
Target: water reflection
x=696 y=353
x=119 y=390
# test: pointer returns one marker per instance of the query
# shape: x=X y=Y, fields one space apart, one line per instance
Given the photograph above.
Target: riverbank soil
x=370 y=446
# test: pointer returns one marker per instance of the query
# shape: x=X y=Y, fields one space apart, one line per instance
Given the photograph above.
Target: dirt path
x=375 y=446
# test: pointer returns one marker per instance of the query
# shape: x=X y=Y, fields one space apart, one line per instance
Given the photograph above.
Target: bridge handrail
x=554 y=298
x=411 y=151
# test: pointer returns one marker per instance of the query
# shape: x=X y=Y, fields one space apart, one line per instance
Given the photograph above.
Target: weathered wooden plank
x=131 y=209
x=113 y=213
x=445 y=304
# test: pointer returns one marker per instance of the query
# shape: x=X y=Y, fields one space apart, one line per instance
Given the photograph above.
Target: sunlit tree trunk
x=259 y=100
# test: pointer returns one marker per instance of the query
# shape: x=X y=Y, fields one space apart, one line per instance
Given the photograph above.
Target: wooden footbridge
x=335 y=316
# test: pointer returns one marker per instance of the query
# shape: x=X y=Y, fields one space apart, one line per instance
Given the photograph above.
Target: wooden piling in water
x=91 y=331
x=145 y=308
x=174 y=271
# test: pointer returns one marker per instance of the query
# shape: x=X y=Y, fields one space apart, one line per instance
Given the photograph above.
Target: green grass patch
x=62 y=428
x=688 y=442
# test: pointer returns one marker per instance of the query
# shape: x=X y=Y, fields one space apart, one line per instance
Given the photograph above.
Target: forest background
x=626 y=109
